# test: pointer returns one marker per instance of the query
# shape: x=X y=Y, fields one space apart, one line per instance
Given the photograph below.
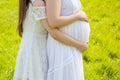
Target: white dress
x=31 y=61
x=65 y=62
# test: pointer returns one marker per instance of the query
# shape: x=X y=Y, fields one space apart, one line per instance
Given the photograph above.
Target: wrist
x=78 y=44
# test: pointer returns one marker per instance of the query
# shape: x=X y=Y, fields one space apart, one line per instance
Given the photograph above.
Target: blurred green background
x=101 y=61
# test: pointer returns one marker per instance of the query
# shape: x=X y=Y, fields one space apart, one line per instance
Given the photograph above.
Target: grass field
x=101 y=61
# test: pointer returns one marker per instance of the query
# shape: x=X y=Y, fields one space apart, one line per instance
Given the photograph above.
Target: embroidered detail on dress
x=39 y=12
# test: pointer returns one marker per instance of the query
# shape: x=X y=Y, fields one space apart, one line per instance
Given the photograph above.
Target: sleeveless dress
x=31 y=61
x=65 y=62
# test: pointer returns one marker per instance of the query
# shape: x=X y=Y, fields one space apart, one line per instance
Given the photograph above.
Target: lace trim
x=39 y=12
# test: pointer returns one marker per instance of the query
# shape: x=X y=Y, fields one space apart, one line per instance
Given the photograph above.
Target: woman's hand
x=82 y=47
x=81 y=15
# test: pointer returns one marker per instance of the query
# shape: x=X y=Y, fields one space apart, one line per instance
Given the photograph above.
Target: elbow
x=53 y=23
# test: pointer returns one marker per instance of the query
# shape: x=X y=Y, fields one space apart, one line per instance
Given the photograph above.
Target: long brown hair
x=23 y=6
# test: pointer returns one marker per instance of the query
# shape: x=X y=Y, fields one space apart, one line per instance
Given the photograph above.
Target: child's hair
x=23 y=6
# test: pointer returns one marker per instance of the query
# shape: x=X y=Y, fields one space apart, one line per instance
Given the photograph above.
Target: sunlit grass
x=102 y=60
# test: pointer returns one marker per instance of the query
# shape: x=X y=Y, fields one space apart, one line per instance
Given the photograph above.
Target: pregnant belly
x=79 y=30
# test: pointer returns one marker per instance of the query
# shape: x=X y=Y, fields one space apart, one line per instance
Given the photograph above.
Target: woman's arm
x=56 y=34
x=53 y=8
x=63 y=38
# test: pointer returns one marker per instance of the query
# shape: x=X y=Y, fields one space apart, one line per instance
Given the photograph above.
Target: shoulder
x=32 y=1
x=38 y=2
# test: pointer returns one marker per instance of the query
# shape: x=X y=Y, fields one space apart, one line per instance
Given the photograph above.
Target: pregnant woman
x=65 y=62
x=31 y=61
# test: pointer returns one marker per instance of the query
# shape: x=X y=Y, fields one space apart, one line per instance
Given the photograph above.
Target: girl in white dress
x=31 y=61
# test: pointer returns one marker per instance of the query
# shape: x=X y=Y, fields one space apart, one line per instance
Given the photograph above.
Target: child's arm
x=55 y=33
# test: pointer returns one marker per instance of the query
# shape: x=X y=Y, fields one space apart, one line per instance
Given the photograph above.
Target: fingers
x=84 y=17
x=86 y=20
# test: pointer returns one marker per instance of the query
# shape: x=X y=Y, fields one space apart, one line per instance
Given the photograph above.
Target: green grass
x=101 y=61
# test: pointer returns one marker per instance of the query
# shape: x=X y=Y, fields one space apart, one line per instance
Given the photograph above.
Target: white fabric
x=31 y=61
x=65 y=62
x=39 y=12
x=32 y=1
